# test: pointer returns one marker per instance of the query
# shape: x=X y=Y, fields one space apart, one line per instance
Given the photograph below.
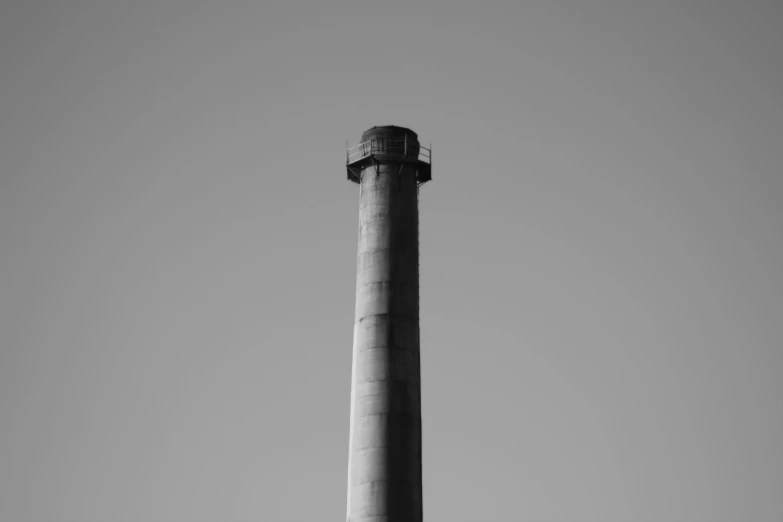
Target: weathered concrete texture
x=384 y=476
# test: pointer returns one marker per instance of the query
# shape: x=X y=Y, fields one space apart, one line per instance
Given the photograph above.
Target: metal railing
x=386 y=146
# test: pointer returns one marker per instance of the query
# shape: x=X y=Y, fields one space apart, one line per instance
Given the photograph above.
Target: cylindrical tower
x=384 y=464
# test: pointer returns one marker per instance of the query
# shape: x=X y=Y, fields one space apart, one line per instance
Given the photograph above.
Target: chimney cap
x=389 y=131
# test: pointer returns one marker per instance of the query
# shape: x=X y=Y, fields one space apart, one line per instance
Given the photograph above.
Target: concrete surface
x=384 y=475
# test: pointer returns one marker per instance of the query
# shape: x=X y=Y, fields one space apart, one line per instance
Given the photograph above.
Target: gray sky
x=601 y=253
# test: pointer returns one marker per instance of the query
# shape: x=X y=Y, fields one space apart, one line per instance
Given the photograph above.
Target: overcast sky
x=601 y=256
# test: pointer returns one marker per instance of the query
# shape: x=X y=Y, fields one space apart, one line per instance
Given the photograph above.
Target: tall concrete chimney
x=384 y=462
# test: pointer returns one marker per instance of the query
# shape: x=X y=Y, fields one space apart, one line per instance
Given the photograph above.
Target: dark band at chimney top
x=390 y=143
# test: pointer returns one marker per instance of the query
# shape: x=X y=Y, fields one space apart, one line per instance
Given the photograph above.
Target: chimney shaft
x=384 y=467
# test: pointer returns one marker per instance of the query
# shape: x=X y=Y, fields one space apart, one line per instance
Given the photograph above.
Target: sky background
x=601 y=256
